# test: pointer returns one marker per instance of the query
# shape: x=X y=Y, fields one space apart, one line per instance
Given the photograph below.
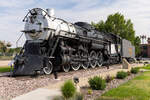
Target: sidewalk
x=39 y=94
x=4 y=63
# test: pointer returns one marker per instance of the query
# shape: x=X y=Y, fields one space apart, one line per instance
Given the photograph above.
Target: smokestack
x=51 y=12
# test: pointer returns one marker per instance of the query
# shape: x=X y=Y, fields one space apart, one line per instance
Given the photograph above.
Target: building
x=145 y=49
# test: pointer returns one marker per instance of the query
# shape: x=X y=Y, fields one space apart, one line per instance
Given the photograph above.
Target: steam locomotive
x=55 y=44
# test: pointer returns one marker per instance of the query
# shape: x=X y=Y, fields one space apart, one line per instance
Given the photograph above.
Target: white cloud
x=13 y=11
x=15 y=3
x=136 y=10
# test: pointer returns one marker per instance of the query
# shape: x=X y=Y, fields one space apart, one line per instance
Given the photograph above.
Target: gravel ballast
x=11 y=87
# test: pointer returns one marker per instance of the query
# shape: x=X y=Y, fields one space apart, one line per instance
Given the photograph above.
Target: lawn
x=147 y=67
x=135 y=89
x=5 y=69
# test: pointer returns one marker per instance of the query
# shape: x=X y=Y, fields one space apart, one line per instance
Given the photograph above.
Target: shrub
x=134 y=70
x=89 y=91
x=78 y=96
x=58 y=98
x=68 y=89
x=109 y=78
x=97 y=83
x=121 y=75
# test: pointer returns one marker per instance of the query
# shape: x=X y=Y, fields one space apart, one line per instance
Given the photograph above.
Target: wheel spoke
x=93 y=61
x=85 y=64
x=100 y=59
x=48 y=68
x=75 y=66
x=66 y=68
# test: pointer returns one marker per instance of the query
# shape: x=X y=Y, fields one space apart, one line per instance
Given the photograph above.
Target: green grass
x=110 y=98
x=5 y=69
x=147 y=67
x=135 y=89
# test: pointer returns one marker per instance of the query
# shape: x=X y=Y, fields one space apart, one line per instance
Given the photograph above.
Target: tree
x=137 y=42
x=117 y=24
x=99 y=26
x=4 y=47
x=12 y=51
x=8 y=44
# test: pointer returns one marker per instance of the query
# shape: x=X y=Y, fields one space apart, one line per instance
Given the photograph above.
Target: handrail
x=48 y=16
x=55 y=45
x=18 y=40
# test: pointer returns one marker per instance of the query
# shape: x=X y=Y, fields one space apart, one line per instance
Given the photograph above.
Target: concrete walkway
x=4 y=63
x=39 y=94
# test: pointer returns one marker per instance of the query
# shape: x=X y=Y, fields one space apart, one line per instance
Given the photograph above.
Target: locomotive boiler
x=55 y=44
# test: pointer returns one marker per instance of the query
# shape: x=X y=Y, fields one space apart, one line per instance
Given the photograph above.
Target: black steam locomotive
x=54 y=44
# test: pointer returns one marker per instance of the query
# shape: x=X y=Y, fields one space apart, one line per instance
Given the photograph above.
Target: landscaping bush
x=97 y=83
x=78 y=96
x=134 y=70
x=90 y=91
x=58 y=98
x=68 y=89
x=121 y=75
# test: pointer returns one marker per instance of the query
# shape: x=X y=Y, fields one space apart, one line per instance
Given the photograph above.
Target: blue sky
x=13 y=11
